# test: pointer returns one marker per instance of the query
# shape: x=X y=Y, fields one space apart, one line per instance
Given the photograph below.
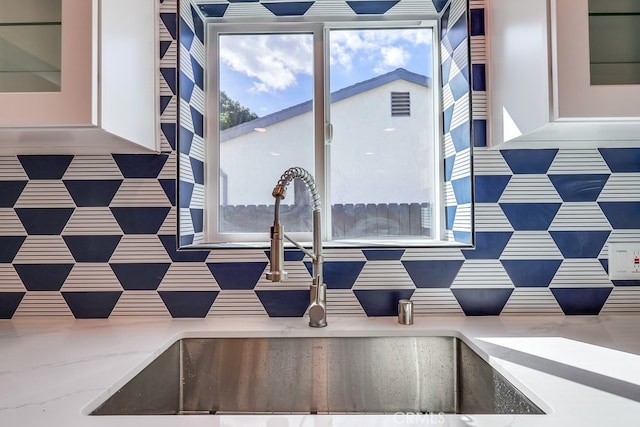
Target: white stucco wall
x=369 y=164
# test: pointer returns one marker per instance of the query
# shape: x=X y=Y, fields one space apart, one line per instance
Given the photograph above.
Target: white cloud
x=392 y=57
x=275 y=61
x=272 y=60
x=384 y=49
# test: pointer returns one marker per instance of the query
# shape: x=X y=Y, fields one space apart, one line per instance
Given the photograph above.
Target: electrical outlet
x=624 y=261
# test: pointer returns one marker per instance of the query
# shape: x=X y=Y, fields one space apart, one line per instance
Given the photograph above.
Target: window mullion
x=321 y=118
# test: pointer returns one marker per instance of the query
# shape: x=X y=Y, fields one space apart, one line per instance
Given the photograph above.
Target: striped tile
x=90 y=167
x=237 y=303
x=49 y=193
x=439 y=253
x=10 y=224
x=530 y=188
x=490 y=217
x=91 y=277
x=578 y=161
x=43 y=303
x=581 y=273
x=617 y=188
x=140 y=303
x=381 y=274
x=478 y=273
x=489 y=162
x=531 y=245
x=170 y=168
x=438 y=302
x=188 y=277
x=44 y=249
x=140 y=248
x=11 y=169
x=580 y=216
x=9 y=279
x=532 y=301
x=140 y=192
x=169 y=226
x=622 y=300
x=92 y=221
x=343 y=302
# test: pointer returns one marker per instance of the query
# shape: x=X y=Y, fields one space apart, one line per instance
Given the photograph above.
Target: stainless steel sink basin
x=317 y=375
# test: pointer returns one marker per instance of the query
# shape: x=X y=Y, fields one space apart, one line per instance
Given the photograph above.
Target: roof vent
x=400 y=104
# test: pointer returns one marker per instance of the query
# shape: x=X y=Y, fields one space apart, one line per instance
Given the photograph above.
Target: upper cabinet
x=30 y=46
x=596 y=58
x=78 y=76
x=564 y=71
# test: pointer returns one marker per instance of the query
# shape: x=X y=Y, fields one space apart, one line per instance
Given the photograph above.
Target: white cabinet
x=574 y=94
x=30 y=46
x=108 y=93
x=539 y=78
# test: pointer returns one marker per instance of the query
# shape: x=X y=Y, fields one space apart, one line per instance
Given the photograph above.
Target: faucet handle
x=318 y=307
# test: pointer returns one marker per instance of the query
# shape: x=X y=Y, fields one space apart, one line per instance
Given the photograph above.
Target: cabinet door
x=574 y=94
x=49 y=58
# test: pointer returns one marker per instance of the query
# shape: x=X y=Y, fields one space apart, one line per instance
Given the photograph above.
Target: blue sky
x=268 y=73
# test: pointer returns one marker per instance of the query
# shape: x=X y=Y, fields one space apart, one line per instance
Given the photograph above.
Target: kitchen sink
x=336 y=375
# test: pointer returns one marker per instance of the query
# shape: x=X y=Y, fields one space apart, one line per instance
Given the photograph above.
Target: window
x=316 y=95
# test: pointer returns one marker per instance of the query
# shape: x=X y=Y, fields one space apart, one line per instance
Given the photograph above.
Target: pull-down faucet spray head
x=277 y=272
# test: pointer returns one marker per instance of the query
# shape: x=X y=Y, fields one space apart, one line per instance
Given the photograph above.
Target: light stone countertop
x=581 y=370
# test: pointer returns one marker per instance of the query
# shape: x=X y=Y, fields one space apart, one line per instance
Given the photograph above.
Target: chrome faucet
x=318 y=290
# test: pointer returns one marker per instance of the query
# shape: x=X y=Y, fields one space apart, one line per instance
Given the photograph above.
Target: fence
x=347 y=221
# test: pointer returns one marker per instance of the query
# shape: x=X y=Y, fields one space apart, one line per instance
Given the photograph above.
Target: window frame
x=322 y=128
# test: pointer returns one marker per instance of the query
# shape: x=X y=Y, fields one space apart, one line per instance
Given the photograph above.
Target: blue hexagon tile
x=339 y=274
x=489 y=188
x=140 y=220
x=531 y=272
x=94 y=192
x=170 y=245
x=45 y=166
x=90 y=248
x=295 y=8
x=91 y=305
x=43 y=277
x=284 y=303
x=213 y=10
x=383 y=254
x=432 y=274
x=188 y=304
x=621 y=160
x=579 y=187
x=44 y=221
x=622 y=215
x=482 y=301
x=9 y=247
x=488 y=245
x=10 y=191
x=137 y=276
x=580 y=244
x=237 y=275
x=581 y=301
x=140 y=165
x=543 y=216
x=9 y=302
x=529 y=161
x=381 y=302
x=169 y=187
x=530 y=216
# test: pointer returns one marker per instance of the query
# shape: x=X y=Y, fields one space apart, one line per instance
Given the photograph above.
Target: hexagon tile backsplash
x=94 y=237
